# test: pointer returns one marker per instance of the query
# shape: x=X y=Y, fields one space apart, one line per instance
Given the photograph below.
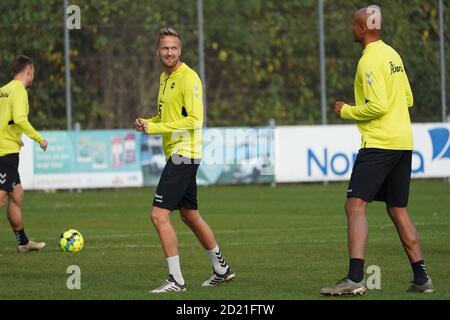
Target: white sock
x=175 y=269
x=217 y=260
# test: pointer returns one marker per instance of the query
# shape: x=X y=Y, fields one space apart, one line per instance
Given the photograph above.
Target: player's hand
x=44 y=145
x=145 y=127
x=139 y=125
x=338 y=107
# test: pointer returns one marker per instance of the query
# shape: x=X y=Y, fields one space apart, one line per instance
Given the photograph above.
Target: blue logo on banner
x=338 y=164
x=440 y=139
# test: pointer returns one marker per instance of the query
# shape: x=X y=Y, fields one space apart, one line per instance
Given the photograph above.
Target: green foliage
x=34 y=29
x=262 y=57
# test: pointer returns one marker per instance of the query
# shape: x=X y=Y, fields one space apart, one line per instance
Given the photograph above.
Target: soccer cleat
x=427 y=287
x=217 y=279
x=169 y=285
x=345 y=287
x=30 y=246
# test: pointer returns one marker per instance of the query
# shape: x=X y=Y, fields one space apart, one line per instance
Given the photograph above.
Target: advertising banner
x=88 y=159
x=125 y=158
x=327 y=153
x=230 y=156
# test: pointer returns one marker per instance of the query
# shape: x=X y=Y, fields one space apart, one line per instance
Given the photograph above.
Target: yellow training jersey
x=383 y=96
x=14 y=118
x=180 y=113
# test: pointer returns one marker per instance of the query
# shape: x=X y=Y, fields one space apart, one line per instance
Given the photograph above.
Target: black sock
x=21 y=237
x=356 y=270
x=420 y=272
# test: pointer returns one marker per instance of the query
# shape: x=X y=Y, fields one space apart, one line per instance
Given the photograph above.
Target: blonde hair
x=168 y=31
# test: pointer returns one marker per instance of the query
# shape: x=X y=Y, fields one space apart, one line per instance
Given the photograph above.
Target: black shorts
x=9 y=172
x=382 y=175
x=177 y=187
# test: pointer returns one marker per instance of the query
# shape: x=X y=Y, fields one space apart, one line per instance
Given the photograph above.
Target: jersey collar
x=372 y=45
x=17 y=82
x=178 y=71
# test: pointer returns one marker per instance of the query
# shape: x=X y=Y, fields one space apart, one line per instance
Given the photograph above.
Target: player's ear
x=29 y=69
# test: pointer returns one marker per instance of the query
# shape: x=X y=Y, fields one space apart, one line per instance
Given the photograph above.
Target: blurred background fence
x=261 y=57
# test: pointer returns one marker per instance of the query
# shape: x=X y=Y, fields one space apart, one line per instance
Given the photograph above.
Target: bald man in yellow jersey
x=14 y=111
x=382 y=170
x=180 y=120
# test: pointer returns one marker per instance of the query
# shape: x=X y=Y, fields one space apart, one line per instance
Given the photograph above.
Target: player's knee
x=185 y=219
x=154 y=217
x=189 y=217
x=158 y=217
x=18 y=199
x=355 y=206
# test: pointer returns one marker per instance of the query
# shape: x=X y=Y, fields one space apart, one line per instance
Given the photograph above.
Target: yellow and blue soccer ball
x=71 y=241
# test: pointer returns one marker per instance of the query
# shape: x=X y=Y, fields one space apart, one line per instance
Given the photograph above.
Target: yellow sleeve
x=193 y=102
x=409 y=94
x=375 y=93
x=155 y=119
x=20 y=114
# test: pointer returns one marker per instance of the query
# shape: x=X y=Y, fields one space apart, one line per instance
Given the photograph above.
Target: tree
x=262 y=57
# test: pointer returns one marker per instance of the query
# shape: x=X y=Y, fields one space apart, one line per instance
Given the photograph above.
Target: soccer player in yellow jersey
x=13 y=122
x=382 y=169
x=180 y=120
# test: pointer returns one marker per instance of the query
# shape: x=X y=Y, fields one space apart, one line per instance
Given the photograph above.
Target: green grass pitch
x=284 y=243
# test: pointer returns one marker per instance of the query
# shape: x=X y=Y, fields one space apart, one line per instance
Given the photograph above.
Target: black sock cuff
x=21 y=237
x=420 y=272
x=418 y=263
x=356 y=270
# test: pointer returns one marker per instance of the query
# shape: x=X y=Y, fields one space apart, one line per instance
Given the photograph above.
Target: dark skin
x=364 y=35
x=357 y=224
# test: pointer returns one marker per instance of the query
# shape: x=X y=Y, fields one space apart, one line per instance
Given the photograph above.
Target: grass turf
x=284 y=243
